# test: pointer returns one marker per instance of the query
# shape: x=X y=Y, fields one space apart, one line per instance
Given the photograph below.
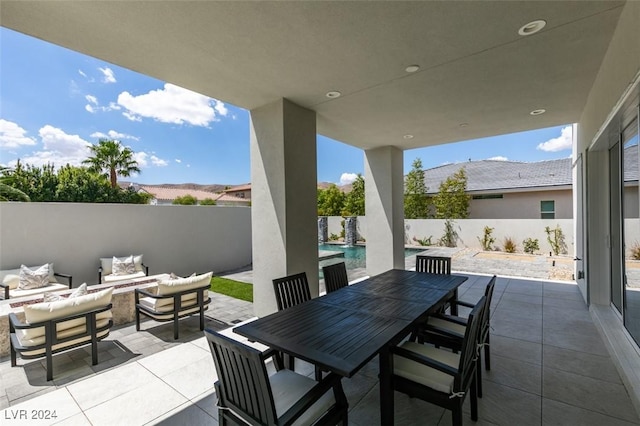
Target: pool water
x=354 y=257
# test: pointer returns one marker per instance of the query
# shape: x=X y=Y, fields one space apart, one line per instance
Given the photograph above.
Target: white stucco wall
x=179 y=239
x=522 y=205
x=470 y=229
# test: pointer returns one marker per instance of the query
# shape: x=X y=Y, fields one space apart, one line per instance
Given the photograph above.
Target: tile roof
x=232 y=199
x=492 y=175
x=170 y=194
x=246 y=187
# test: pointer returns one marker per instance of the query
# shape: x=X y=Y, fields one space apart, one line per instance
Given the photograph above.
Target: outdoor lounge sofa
x=12 y=288
x=108 y=274
x=174 y=298
x=52 y=327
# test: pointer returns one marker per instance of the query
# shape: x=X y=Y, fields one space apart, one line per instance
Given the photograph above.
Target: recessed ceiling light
x=412 y=68
x=408 y=136
x=538 y=111
x=333 y=94
x=532 y=27
x=463 y=125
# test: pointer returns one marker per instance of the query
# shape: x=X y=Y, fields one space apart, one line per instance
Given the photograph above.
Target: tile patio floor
x=549 y=367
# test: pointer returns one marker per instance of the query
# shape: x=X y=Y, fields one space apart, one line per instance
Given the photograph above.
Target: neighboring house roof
x=491 y=175
x=226 y=198
x=170 y=194
x=238 y=188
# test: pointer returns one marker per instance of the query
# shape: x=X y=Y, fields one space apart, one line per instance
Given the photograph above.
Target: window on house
x=547 y=209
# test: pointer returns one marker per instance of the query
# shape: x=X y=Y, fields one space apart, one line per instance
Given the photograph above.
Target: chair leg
x=292 y=363
x=487 y=354
x=456 y=415
x=479 y=374
x=137 y=320
x=14 y=361
x=474 y=400
x=175 y=328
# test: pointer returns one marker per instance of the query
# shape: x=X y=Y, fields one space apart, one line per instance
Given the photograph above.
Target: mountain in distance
x=217 y=188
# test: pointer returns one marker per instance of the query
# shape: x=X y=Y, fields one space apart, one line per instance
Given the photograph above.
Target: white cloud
x=82 y=73
x=108 y=76
x=13 y=136
x=347 y=178
x=498 y=158
x=59 y=148
x=89 y=108
x=91 y=99
x=144 y=159
x=562 y=142
x=112 y=134
x=172 y=104
x=158 y=161
x=178 y=161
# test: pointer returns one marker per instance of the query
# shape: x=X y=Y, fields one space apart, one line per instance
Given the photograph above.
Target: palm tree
x=8 y=192
x=113 y=158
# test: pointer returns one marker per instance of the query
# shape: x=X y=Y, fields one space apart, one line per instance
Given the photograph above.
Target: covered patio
x=391 y=76
x=549 y=366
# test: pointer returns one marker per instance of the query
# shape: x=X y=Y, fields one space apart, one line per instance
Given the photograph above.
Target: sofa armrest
x=100 y=275
x=66 y=277
x=5 y=289
x=145 y=268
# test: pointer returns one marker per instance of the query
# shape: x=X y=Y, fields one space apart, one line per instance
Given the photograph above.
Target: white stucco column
x=384 y=209
x=283 y=198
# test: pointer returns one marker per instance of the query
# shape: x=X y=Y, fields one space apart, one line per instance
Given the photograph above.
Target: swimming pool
x=354 y=257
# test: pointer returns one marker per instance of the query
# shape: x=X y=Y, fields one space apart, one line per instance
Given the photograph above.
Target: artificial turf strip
x=232 y=288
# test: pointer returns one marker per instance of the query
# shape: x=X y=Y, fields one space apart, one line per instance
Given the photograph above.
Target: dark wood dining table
x=345 y=329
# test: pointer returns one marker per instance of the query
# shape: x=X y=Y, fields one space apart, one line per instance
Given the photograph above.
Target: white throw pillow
x=52 y=297
x=123 y=267
x=11 y=280
x=30 y=279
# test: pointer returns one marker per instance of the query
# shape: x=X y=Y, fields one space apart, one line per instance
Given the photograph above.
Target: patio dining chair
x=448 y=331
x=433 y=264
x=439 y=376
x=248 y=395
x=291 y=291
x=335 y=276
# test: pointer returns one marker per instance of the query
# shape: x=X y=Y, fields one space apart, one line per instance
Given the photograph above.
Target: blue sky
x=55 y=102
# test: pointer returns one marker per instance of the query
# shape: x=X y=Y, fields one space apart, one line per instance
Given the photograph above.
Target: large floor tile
x=58 y=406
x=504 y=405
x=106 y=386
x=522 y=330
x=137 y=407
x=607 y=398
x=507 y=298
x=560 y=414
x=584 y=364
x=195 y=378
x=174 y=358
x=516 y=349
x=567 y=339
x=515 y=374
x=185 y=414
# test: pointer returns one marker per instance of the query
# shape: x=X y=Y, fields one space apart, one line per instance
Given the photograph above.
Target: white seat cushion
x=445 y=325
x=423 y=374
x=51 y=287
x=114 y=278
x=171 y=286
x=288 y=387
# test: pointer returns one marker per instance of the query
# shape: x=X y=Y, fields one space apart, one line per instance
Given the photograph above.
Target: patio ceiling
x=474 y=67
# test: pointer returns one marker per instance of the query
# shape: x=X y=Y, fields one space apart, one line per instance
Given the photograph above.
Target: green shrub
x=487 y=240
x=426 y=241
x=635 y=251
x=510 y=245
x=450 y=235
x=333 y=237
x=555 y=237
x=208 y=202
x=531 y=245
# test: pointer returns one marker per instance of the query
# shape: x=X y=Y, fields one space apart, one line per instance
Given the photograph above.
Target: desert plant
x=333 y=237
x=450 y=235
x=555 y=237
x=531 y=245
x=510 y=245
x=426 y=241
x=487 y=240
x=635 y=251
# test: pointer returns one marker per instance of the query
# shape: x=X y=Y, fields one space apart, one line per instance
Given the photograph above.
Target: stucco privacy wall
x=470 y=229
x=179 y=239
